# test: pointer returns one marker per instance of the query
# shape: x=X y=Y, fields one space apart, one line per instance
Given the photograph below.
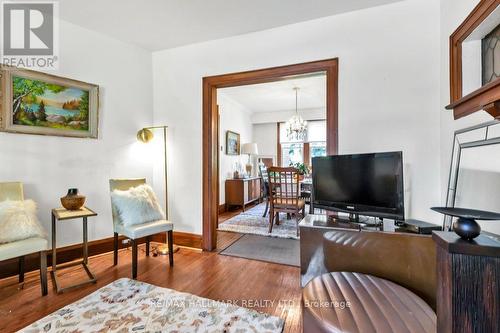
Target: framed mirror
x=474 y=179
x=474 y=62
x=478 y=50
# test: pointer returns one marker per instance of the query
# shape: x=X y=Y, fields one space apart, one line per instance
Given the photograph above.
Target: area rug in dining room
x=131 y=306
x=252 y=222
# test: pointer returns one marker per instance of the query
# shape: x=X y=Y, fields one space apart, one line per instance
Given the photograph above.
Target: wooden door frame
x=210 y=131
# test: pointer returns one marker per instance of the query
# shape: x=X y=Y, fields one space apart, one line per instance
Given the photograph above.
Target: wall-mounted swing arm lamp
x=145 y=135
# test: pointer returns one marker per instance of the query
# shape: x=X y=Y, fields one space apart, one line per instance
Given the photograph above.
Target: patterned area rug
x=132 y=306
x=252 y=222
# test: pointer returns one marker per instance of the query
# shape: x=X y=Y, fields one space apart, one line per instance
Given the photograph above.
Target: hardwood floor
x=205 y=274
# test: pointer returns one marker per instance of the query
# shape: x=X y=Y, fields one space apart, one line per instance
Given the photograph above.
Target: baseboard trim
x=183 y=239
x=222 y=208
x=72 y=252
x=188 y=240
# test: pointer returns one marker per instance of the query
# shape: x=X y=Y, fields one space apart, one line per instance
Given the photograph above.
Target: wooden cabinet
x=468 y=279
x=240 y=192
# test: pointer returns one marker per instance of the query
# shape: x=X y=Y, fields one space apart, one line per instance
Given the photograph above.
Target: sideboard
x=241 y=192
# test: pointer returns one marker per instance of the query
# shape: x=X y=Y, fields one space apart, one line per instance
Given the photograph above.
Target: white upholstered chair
x=19 y=249
x=135 y=232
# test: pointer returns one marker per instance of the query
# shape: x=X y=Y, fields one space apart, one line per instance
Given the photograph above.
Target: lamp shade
x=250 y=149
x=145 y=135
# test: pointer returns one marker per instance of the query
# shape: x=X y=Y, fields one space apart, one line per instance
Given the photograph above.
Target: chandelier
x=296 y=127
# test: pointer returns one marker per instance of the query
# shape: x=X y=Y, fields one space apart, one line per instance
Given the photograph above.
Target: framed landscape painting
x=232 y=143
x=39 y=103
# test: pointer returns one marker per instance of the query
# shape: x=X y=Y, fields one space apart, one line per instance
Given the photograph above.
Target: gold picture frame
x=43 y=104
x=232 y=143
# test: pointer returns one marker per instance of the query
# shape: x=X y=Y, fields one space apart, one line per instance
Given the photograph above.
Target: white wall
x=388 y=92
x=266 y=138
x=453 y=13
x=48 y=165
x=236 y=118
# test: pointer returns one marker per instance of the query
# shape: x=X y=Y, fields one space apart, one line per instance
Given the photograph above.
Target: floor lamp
x=145 y=135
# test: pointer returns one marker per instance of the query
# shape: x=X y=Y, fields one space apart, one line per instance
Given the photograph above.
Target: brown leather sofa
x=388 y=279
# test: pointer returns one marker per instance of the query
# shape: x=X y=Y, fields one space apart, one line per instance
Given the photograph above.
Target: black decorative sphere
x=466 y=228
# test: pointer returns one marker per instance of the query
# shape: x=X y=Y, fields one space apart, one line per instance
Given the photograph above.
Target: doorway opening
x=216 y=143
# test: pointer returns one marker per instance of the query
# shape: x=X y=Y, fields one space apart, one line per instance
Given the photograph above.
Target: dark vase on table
x=73 y=200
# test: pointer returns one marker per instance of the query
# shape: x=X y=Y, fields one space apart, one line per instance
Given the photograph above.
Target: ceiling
x=280 y=95
x=161 y=24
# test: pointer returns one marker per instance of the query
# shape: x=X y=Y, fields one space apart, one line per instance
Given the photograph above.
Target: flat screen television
x=363 y=184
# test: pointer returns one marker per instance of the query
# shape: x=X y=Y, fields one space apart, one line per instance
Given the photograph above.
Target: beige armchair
x=137 y=231
x=19 y=249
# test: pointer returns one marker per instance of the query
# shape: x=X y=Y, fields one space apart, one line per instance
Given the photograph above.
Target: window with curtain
x=317 y=149
x=293 y=151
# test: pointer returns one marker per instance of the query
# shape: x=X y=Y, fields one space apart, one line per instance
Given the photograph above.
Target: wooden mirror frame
x=488 y=96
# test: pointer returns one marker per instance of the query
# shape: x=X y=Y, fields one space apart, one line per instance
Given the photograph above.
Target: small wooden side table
x=62 y=214
x=468 y=279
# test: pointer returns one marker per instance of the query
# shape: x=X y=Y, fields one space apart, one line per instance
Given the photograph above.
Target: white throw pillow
x=18 y=221
x=137 y=205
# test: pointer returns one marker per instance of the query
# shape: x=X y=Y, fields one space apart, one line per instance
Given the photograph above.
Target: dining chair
x=19 y=249
x=306 y=191
x=136 y=231
x=264 y=185
x=285 y=196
